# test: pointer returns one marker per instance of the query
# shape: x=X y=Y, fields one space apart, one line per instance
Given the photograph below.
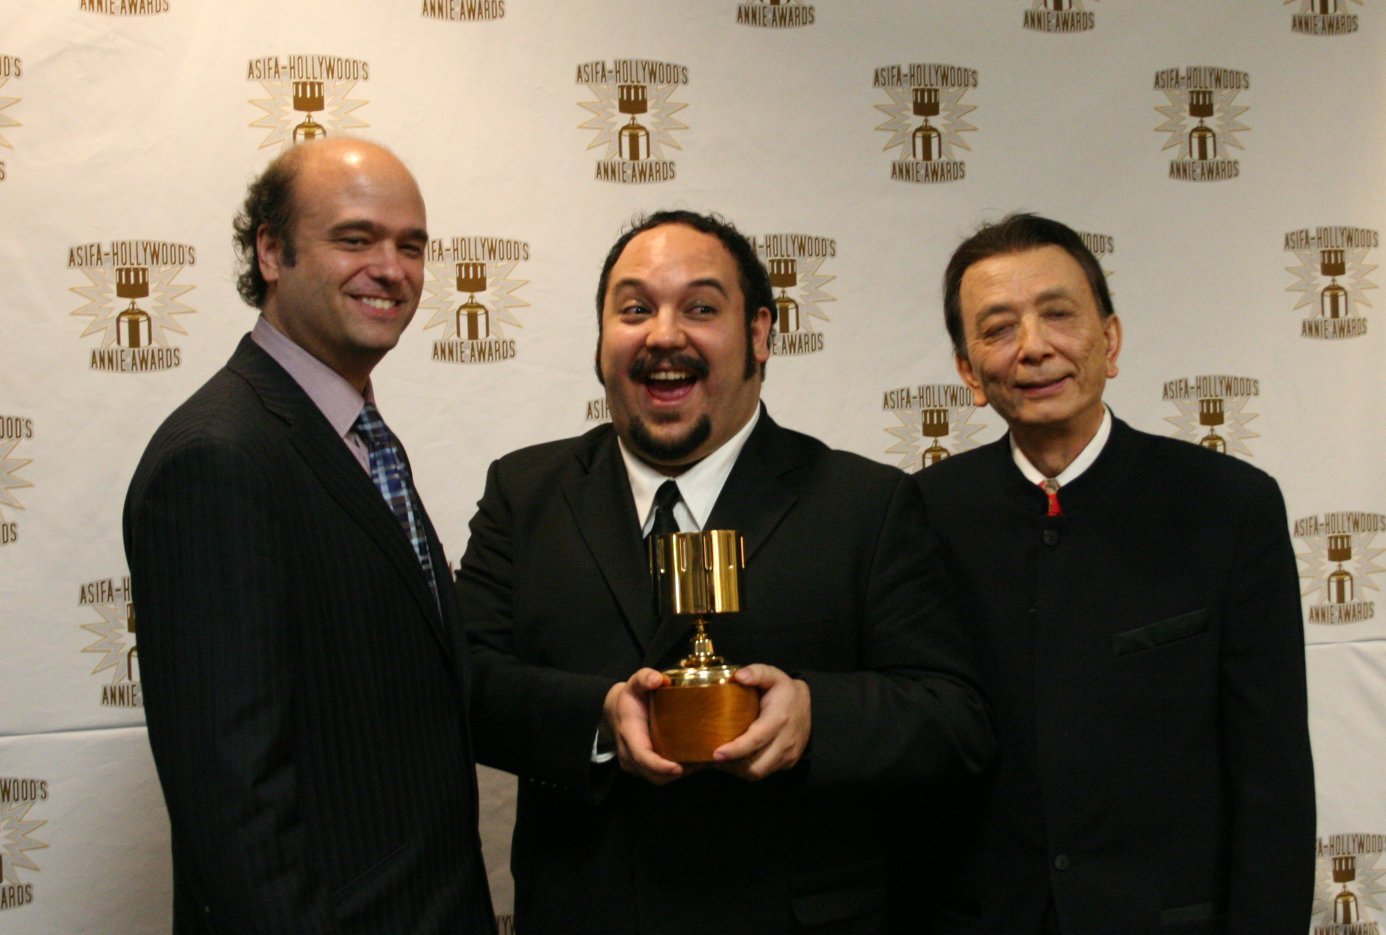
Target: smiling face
x=674 y=347
x=1037 y=347
x=359 y=238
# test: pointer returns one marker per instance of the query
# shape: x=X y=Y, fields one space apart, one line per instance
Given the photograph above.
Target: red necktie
x=1051 y=490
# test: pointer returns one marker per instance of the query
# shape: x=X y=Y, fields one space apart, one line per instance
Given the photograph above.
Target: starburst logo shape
x=6 y=121
x=279 y=118
x=607 y=120
x=112 y=632
x=103 y=306
x=16 y=839
x=1226 y=122
x=1316 y=565
x=442 y=299
x=1368 y=884
x=1234 y=430
x=950 y=120
x=10 y=481
x=1309 y=280
x=911 y=442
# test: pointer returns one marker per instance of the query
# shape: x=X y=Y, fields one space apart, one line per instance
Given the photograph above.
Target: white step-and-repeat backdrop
x=1226 y=162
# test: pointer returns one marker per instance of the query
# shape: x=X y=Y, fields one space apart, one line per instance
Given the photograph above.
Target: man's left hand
x=779 y=735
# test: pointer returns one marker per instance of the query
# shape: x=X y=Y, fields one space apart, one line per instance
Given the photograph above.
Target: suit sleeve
x=913 y=713
x=1264 y=714
x=218 y=673
x=532 y=720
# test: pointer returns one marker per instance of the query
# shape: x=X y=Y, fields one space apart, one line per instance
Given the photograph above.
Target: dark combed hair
x=752 y=276
x=1016 y=233
x=269 y=201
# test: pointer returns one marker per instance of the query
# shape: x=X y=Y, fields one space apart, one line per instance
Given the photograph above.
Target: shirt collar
x=337 y=399
x=1085 y=458
x=699 y=486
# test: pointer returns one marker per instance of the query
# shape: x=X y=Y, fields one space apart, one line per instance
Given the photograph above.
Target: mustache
x=641 y=367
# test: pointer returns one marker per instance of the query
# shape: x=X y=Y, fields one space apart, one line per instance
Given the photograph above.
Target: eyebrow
x=1048 y=295
x=341 y=227
x=710 y=282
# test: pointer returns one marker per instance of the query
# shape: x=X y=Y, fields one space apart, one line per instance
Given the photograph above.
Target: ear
x=760 y=335
x=979 y=397
x=269 y=252
x=1112 y=329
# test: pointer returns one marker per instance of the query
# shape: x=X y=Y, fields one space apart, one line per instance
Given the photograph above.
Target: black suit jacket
x=843 y=590
x=1146 y=661
x=305 y=693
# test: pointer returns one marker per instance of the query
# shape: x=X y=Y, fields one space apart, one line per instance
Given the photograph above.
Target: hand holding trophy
x=701 y=707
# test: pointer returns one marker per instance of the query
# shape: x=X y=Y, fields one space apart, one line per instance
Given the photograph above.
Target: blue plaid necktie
x=390 y=471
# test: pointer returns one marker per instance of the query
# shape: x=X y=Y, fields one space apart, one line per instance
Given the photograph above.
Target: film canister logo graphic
x=133 y=301
x=109 y=599
x=1331 y=278
x=1202 y=118
x=123 y=7
x=1323 y=17
x=463 y=10
x=1349 y=883
x=1213 y=411
x=795 y=262
x=1339 y=567
x=633 y=117
x=775 y=14
x=926 y=124
x=469 y=291
x=1060 y=16
x=14 y=430
x=18 y=796
x=310 y=96
x=934 y=421
x=10 y=67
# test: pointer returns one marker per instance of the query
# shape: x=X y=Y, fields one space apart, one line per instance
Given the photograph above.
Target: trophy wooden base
x=688 y=722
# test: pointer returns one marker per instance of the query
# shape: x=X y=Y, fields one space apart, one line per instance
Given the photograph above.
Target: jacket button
x=1061 y=862
x=1050 y=537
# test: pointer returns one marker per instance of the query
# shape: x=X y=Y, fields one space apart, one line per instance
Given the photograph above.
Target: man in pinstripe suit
x=304 y=675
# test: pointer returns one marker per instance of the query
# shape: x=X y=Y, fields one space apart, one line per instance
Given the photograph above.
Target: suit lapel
x=338 y=472
x=602 y=507
x=753 y=502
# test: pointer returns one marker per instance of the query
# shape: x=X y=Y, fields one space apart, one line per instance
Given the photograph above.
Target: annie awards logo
x=1060 y=16
x=309 y=97
x=1202 y=118
x=1350 y=880
x=933 y=422
x=597 y=411
x=775 y=14
x=1213 y=411
x=13 y=431
x=133 y=302
x=1323 y=17
x=18 y=796
x=1337 y=570
x=796 y=264
x=463 y=10
x=633 y=117
x=469 y=291
x=10 y=67
x=926 y=124
x=124 y=7
x=109 y=599
x=1331 y=279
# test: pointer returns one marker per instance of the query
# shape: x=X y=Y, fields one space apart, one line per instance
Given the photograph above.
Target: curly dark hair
x=752 y=276
x=269 y=201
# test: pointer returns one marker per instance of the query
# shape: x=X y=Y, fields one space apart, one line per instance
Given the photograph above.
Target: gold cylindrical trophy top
x=1200 y=103
x=1345 y=868
x=1340 y=548
x=132 y=282
x=925 y=102
x=130 y=616
x=1210 y=411
x=1332 y=262
x=630 y=98
x=784 y=273
x=934 y=423
x=698 y=572
x=308 y=96
x=471 y=277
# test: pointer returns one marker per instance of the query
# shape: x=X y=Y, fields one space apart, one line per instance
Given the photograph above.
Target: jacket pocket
x=1161 y=632
x=839 y=894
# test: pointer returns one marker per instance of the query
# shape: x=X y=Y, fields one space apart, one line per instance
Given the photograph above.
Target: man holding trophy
x=601 y=569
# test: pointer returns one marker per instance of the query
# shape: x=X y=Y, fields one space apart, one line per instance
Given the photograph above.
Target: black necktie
x=666 y=498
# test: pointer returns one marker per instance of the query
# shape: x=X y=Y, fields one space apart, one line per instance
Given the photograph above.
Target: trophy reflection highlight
x=699 y=574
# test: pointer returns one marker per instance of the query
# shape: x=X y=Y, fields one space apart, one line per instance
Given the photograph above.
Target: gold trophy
x=133 y=325
x=1210 y=415
x=926 y=142
x=1333 y=300
x=1203 y=143
x=701 y=707
x=308 y=100
x=934 y=424
x=784 y=275
x=473 y=318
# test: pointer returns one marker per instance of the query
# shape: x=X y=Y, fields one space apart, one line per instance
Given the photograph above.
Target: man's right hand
x=626 y=714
